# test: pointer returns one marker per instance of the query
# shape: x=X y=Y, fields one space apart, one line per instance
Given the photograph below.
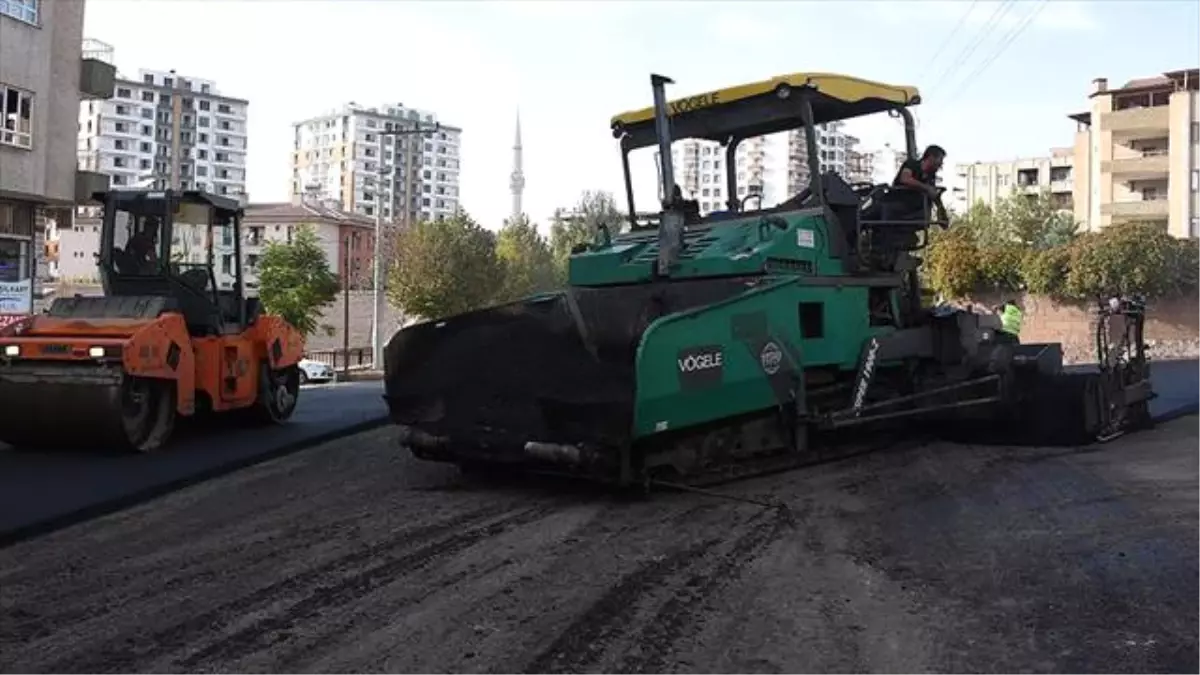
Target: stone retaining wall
x=1172 y=326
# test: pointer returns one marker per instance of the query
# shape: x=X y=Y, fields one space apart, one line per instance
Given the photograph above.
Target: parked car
x=315 y=371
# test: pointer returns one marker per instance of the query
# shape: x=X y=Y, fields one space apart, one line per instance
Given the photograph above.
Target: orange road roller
x=173 y=335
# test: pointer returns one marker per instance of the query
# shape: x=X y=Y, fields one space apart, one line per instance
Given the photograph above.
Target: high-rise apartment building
x=337 y=156
x=837 y=153
x=1136 y=153
x=860 y=166
x=45 y=70
x=163 y=130
x=989 y=182
x=701 y=171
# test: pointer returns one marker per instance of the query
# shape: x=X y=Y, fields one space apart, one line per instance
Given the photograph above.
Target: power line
x=949 y=38
x=964 y=56
x=1005 y=42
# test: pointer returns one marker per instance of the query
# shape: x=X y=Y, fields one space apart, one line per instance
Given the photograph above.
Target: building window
x=16 y=219
x=21 y=10
x=1195 y=181
x=16 y=109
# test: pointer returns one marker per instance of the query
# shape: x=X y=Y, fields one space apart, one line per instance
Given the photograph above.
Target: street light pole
x=346 y=307
x=176 y=123
x=377 y=308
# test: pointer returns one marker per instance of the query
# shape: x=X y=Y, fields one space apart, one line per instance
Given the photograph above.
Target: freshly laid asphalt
x=40 y=491
x=1177 y=384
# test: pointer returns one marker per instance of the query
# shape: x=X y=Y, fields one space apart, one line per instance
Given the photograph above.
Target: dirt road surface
x=355 y=557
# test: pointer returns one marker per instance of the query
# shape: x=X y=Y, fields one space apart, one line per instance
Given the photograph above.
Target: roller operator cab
x=702 y=342
x=173 y=335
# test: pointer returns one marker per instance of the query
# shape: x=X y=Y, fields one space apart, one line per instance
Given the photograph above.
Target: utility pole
x=378 y=308
x=346 y=307
x=176 y=123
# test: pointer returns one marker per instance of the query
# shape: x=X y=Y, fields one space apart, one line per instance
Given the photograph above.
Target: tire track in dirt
x=582 y=644
x=30 y=626
x=652 y=643
x=299 y=658
x=250 y=639
x=585 y=638
x=124 y=654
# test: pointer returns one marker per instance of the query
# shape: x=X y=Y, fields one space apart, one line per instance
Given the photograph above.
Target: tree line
x=1026 y=243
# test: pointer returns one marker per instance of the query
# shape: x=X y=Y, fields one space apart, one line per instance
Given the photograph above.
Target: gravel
x=355 y=557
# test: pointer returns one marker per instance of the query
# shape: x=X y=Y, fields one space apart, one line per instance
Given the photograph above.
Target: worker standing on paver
x=1010 y=323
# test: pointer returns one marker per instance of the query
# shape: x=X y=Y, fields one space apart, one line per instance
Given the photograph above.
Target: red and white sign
x=7 y=320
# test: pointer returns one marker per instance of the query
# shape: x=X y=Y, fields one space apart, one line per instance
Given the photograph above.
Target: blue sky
x=570 y=66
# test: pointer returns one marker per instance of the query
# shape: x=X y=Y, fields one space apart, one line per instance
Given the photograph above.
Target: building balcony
x=1137 y=122
x=1152 y=164
x=97 y=80
x=1060 y=186
x=1148 y=209
x=88 y=183
x=97 y=74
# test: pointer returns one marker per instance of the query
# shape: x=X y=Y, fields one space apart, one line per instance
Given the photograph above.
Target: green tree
x=1131 y=258
x=951 y=265
x=443 y=267
x=1035 y=221
x=1185 y=264
x=1044 y=272
x=295 y=281
x=568 y=230
x=979 y=223
x=525 y=260
x=1000 y=266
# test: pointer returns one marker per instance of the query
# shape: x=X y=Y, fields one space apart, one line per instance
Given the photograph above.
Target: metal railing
x=355 y=358
x=92 y=48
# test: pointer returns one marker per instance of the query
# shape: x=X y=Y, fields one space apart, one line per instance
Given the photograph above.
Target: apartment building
x=44 y=73
x=1136 y=151
x=162 y=130
x=838 y=152
x=774 y=166
x=860 y=166
x=989 y=182
x=347 y=239
x=394 y=160
x=701 y=171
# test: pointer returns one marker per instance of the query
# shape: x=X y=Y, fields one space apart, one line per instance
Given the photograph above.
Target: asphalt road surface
x=43 y=487
x=1177 y=384
x=353 y=556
